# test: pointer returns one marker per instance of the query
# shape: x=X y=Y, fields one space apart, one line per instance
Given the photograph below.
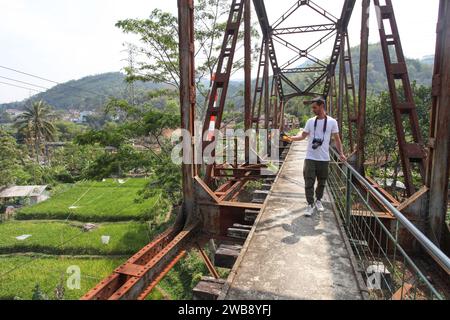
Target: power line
x=27 y=83
x=20 y=87
x=52 y=81
x=31 y=89
x=28 y=74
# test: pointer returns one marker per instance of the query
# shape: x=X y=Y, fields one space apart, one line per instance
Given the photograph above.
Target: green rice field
x=60 y=238
x=44 y=240
x=21 y=274
x=96 y=202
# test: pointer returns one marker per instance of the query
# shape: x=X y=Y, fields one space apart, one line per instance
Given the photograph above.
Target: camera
x=317 y=143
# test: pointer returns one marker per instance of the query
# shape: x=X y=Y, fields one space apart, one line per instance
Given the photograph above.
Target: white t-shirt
x=323 y=152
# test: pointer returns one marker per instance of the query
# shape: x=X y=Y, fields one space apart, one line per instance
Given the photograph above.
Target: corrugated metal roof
x=22 y=191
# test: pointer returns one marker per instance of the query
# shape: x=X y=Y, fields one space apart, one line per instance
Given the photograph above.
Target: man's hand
x=343 y=158
x=287 y=138
x=299 y=137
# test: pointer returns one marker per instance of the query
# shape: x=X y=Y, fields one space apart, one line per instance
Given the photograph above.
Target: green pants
x=312 y=171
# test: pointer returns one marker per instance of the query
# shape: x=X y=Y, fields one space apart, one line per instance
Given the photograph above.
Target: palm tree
x=35 y=124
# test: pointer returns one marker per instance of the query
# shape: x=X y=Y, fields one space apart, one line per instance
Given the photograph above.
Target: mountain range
x=92 y=92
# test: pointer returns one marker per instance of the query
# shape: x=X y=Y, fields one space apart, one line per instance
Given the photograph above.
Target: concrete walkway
x=289 y=256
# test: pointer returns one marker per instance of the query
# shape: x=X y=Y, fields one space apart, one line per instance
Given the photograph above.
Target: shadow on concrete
x=302 y=227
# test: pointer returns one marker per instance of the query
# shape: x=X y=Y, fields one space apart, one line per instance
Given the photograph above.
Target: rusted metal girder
x=248 y=74
x=135 y=279
x=187 y=103
x=268 y=41
x=362 y=96
x=403 y=108
x=301 y=3
x=341 y=81
x=142 y=272
x=266 y=86
x=305 y=29
x=276 y=32
x=350 y=95
x=343 y=22
x=439 y=144
x=219 y=89
x=305 y=70
x=259 y=88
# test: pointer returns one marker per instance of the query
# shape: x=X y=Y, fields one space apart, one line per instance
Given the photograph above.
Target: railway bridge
x=368 y=244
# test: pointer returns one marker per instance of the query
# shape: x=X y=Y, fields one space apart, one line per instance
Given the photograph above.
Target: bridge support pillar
x=187 y=104
x=439 y=144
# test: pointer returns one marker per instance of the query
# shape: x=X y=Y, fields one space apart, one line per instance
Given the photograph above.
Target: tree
x=35 y=123
x=382 y=149
x=159 y=49
x=5 y=117
x=11 y=161
x=165 y=179
x=66 y=131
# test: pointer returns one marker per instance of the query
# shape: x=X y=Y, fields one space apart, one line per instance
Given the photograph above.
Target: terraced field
x=45 y=240
x=111 y=200
x=47 y=272
x=69 y=238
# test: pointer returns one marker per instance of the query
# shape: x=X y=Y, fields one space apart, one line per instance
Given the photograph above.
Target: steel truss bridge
x=404 y=234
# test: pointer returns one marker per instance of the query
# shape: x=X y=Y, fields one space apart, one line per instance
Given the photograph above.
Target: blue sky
x=67 y=39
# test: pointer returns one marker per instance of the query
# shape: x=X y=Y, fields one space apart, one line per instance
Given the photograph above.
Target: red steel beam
x=362 y=96
x=187 y=99
x=439 y=145
x=248 y=74
x=221 y=83
x=346 y=14
x=141 y=270
x=305 y=29
x=396 y=70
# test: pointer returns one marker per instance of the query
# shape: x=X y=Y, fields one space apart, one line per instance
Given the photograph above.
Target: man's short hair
x=319 y=100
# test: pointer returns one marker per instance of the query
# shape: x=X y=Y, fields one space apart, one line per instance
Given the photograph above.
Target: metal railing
x=397 y=261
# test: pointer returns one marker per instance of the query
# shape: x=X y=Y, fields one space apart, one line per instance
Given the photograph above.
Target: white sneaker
x=309 y=211
x=319 y=206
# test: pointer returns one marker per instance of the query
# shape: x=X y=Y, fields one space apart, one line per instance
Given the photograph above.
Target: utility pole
x=131 y=89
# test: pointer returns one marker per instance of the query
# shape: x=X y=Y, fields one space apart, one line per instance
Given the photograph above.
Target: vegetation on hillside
x=87 y=94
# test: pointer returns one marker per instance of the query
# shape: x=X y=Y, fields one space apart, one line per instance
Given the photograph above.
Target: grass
x=47 y=272
x=97 y=202
x=59 y=238
x=58 y=241
x=180 y=281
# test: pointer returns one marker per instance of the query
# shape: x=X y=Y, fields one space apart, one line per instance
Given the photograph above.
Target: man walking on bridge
x=319 y=130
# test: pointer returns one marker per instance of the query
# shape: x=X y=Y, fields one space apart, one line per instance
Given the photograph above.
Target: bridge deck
x=290 y=256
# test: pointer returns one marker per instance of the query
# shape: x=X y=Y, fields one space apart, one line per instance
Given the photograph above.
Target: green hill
x=88 y=93
x=420 y=71
x=91 y=93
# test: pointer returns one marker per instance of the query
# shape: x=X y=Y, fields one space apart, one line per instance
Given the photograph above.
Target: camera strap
x=324 y=127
